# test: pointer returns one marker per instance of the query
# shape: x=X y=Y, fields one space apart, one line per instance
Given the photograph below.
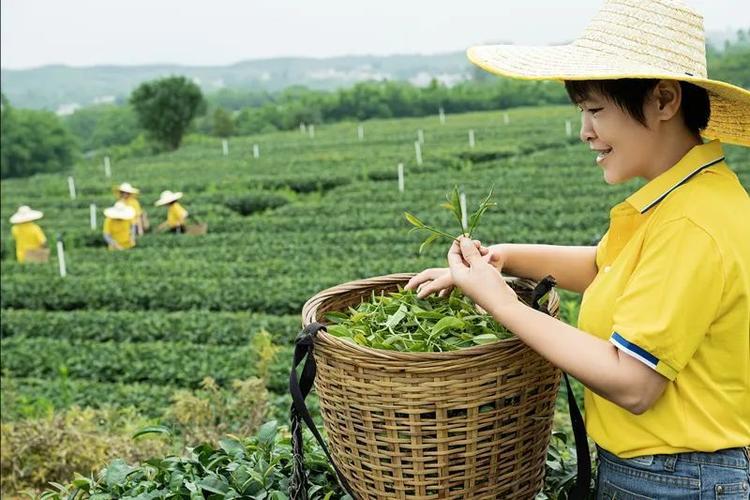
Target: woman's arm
x=574 y=267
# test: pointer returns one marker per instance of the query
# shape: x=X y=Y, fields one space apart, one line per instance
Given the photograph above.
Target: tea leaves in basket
x=400 y=321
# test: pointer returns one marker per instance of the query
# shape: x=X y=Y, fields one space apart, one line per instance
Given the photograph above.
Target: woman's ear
x=666 y=98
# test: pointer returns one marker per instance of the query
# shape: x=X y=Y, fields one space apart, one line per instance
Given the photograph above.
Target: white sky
x=218 y=32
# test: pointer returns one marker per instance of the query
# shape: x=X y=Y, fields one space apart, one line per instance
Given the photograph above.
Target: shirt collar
x=696 y=160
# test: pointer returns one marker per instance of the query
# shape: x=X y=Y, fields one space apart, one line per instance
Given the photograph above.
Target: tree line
x=159 y=113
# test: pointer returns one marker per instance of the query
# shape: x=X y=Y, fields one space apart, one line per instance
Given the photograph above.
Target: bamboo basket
x=472 y=423
x=37 y=256
x=197 y=229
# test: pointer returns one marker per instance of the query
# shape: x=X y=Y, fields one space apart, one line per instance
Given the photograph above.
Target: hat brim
x=163 y=201
x=119 y=189
x=26 y=217
x=114 y=213
x=730 y=105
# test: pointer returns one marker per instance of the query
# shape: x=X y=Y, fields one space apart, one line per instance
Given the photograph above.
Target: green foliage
x=53 y=448
x=101 y=126
x=400 y=321
x=33 y=142
x=454 y=206
x=166 y=107
x=256 y=467
x=223 y=124
x=255 y=202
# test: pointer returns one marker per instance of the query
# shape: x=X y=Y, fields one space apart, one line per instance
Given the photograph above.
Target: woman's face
x=623 y=146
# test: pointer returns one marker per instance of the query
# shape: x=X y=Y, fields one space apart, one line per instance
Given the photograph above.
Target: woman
x=28 y=235
x=663 y=339
x=119 y=231
x=176 y=213
x=126 y=193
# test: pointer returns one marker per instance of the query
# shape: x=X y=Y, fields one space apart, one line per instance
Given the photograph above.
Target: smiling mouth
x=603 y=154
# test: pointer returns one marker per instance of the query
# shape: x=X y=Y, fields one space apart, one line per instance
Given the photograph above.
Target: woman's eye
x=595 y=110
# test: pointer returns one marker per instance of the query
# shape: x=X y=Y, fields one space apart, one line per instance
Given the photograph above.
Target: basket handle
x=580 y=490
x=299 y=389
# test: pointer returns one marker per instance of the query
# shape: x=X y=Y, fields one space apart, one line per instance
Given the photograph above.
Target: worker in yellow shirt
x=119 y=231
x=176 y=213
x=127 y=193
x=28 y=236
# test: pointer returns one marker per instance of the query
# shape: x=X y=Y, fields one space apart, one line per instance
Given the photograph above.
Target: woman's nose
x=587 y=131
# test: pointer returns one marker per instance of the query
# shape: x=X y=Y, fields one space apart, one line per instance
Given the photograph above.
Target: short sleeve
x=41 y=239
x=672 y=297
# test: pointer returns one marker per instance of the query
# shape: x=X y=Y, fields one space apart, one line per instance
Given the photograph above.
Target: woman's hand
x=439 y=279
x=477 y=278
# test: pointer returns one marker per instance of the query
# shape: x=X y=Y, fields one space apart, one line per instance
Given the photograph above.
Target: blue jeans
x=724 y=474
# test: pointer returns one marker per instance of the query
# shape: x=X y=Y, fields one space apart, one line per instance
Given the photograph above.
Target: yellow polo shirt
x=176 y=215
x=673 y=291
x=121 y=231
x=132 y=202
x=28 y=236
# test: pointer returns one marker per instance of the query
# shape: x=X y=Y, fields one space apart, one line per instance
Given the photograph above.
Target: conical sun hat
x=25 y=214
x=126 y=187
x=660 y=39
x=119 y=211
x=168 y=197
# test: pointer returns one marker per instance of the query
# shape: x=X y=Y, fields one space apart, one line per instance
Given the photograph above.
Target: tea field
x=130 y=328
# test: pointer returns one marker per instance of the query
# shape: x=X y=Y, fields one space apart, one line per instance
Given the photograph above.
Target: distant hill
x=62 y=88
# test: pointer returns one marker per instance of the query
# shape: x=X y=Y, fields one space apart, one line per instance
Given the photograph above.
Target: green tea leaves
x=453 y=204
x=400 y=321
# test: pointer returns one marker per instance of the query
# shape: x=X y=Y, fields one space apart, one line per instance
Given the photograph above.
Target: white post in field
x=225 y=147
x=568 y=128
x=302 y=128
x=92 y=216
x=61 y=258
x=420 y=136
x=442 y=116
x=464 y=218
x=311 y=128
x=72 y=188
x=506 y=118
x=361 y=132
x=400 y=177
x=418 y=152
x=107 y=168
x=471 y=138
x=256 y=151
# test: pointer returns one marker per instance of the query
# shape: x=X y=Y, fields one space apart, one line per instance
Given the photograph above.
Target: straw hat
x=25 y=214
x=120 y=211
x=660 y=39
x=126 y=187
x=167 y=197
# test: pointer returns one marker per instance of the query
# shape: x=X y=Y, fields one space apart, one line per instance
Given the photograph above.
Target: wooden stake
x=256 y=151
x=471 y=138
x=361 y=132
x=418 y=152
x=92 y=216
x=61 y=257
x=107 y=169
x=225 y=147
x=400 y=177
x=442 y=116
x=72 y=188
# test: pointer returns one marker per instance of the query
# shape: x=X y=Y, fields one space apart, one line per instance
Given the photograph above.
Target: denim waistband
x=729 y=457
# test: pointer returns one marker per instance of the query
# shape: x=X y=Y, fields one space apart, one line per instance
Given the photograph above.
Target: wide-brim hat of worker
x=120 y=211
x=659 y=39
x=25 y=214
x=126 y=187
x=167 y=197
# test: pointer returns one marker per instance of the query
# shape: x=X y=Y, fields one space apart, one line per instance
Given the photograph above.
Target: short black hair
x=630 y=95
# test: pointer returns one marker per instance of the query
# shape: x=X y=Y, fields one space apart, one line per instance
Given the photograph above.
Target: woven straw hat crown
x=25 y=214
x=660 y=39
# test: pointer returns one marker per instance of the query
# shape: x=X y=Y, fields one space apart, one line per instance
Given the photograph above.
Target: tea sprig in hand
x=454 y=205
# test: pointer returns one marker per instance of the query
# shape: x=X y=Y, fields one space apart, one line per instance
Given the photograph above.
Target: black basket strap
x=580 y=490
x=299 y=389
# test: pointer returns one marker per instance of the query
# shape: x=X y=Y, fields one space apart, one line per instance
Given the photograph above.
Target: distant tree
x=166 y=107
x=223 y=124
x=103 y=125
x=32 y=142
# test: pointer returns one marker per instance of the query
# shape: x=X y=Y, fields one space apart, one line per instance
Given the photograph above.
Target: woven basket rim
x=309 y=315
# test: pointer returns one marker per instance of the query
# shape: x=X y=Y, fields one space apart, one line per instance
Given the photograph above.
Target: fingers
x=426 y=275
x=469 y=251
x=436 y=285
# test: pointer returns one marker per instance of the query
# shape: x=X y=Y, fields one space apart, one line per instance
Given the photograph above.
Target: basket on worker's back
x=471 y=423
